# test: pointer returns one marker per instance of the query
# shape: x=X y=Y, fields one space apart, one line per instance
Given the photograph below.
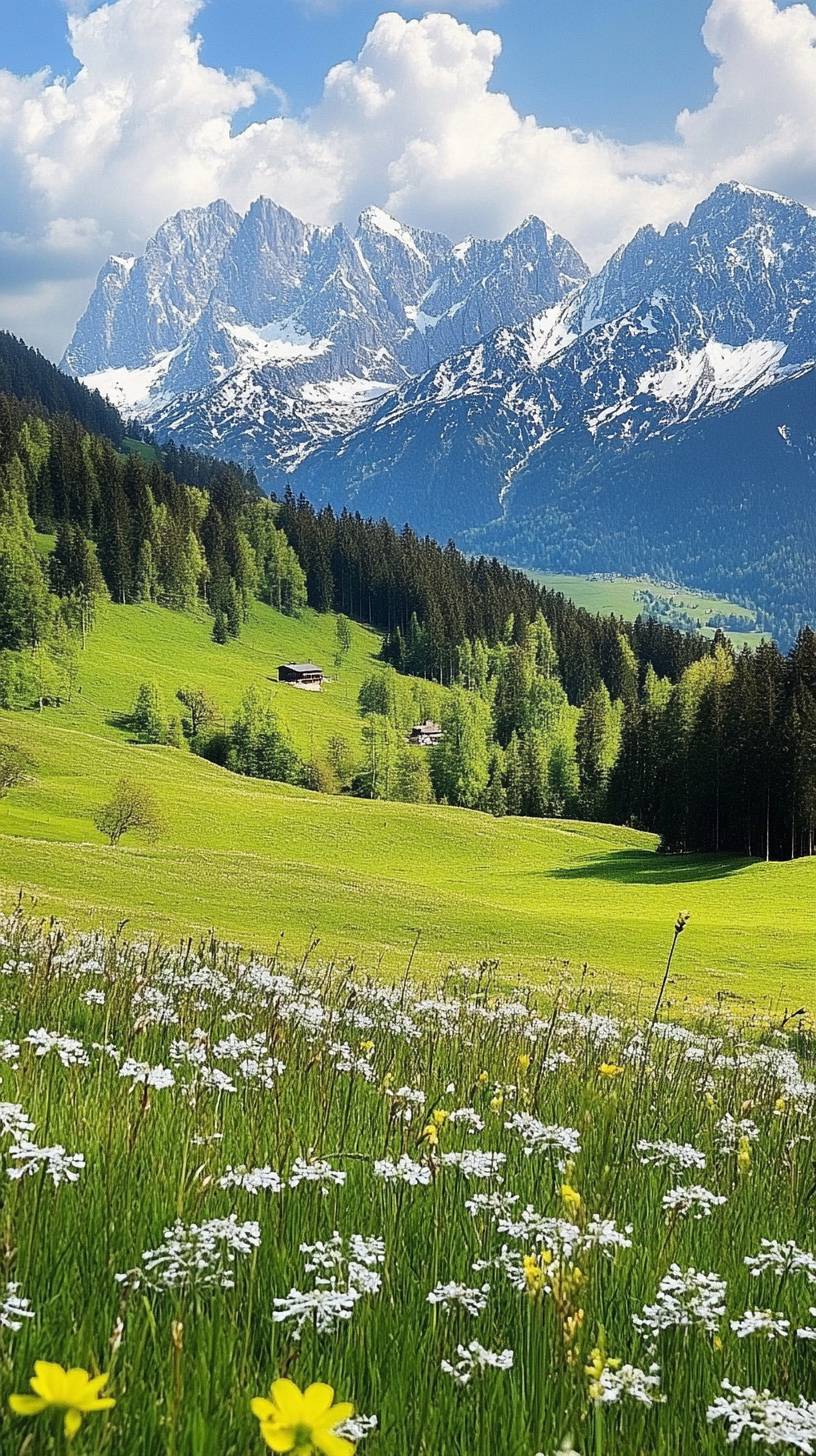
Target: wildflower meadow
x=253 y=1206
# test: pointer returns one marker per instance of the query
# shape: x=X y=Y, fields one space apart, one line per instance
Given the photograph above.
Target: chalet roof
x=301 y=667
x=427 y=727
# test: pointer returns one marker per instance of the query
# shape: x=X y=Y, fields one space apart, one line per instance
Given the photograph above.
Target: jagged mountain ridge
x=408 y=377
x=263 y=335
x=592 y=413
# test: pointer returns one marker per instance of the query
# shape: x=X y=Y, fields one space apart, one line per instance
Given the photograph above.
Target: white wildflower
x=629 y=1380
x=14 y=1122
x=70 y=1051
x=142 y=1074
x=200 y=1256
x=474 y=1357
x=785 y=1258
x=766 y=1418
x=14 y=1308
x=684 y=1297
x=54 y=1163
x=692 y=1199
x=663 y=1154
x=761 y=1322
x=317 y=1171
x=472 y=1163
x=539 y=1136
x=448 y=1296
x=252 y=1180
x=327 y=1306
x=416 y=1175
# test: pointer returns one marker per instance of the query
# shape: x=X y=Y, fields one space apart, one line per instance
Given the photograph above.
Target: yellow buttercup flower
x=303 y=1421
x=73 y=1391
x=610 y=1070
x=439 y=1117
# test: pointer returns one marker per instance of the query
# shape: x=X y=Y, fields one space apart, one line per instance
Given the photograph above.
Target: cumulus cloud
x=95 y=163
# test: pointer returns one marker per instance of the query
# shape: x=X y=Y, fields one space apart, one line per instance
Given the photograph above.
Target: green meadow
x=616 y=594
x=257 y=860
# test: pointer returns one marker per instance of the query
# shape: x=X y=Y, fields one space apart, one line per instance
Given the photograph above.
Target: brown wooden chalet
x=426 y=734
x=301 y=675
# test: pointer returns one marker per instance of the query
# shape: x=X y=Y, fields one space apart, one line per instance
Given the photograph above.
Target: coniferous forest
x=553 y=711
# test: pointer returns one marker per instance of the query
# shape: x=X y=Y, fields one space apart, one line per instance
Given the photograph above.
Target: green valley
x=257 y=860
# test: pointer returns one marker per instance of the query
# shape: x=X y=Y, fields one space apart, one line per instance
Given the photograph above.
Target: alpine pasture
x=256 y=860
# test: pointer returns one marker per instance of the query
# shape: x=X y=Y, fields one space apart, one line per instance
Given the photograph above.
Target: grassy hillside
x=131 y=644
x=256 y=859
x=617 y=594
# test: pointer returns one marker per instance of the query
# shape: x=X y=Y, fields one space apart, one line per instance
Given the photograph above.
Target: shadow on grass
x=634 y=867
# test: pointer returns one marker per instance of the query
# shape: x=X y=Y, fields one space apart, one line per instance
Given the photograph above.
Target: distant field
x=255 y=859
x=617 y=594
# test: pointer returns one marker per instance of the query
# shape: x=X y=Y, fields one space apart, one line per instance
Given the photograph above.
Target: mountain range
x=657 y=416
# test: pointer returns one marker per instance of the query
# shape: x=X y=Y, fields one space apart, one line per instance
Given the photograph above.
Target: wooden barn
x=301 y=675
x=426 y=734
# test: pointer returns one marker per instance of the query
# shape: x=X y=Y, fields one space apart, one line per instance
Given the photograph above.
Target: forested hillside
x=552 y=711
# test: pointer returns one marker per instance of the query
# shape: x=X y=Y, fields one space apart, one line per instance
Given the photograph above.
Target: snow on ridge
x=714 y=373
x=385 y=223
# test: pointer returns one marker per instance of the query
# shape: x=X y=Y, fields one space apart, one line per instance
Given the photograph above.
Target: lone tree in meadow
x=200 y=707
x=342 y=639
x=131 y=806
x=15 y=767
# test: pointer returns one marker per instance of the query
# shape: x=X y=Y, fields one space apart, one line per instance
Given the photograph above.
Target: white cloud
x=95 y=163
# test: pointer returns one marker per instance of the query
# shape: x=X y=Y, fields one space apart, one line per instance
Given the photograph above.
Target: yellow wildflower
x=73 y=1391
x=483 y=1079
x=523 y=1062
x=595 y=1366
x=366 y=1047
x=497 y=1102
x=610 y=1070
x=779 y=1106
x=430 y=1134
x=571 y=1198
x=535 y=1273
x=439 y=1117
x=744 y=1155
x=303 y=1421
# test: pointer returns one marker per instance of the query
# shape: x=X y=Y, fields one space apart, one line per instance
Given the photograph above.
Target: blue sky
x=624 y=68
x=599 y=116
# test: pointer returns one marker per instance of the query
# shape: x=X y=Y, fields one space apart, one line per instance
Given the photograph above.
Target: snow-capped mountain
x=659 y=416
x=262 y=336
x=547 y=440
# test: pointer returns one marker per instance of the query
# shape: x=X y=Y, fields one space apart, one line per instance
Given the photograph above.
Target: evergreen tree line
x=126 y=528
x=723 y=760
x=427 y=599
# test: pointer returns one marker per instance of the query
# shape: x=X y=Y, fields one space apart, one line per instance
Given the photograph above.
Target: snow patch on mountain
x=712 y=375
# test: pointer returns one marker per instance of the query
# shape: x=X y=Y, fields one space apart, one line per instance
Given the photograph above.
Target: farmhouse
x=425 y=734
x=301 y=675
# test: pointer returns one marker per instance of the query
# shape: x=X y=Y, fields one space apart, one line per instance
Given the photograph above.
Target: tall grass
x=566 y=1092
